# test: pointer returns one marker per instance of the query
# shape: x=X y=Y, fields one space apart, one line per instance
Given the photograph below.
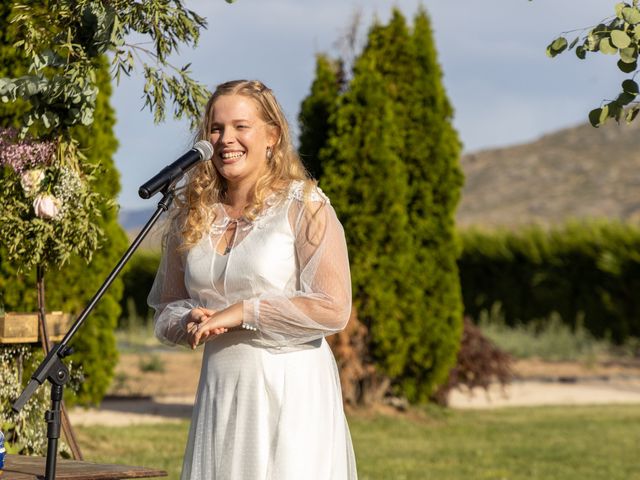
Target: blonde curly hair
x=205 y=186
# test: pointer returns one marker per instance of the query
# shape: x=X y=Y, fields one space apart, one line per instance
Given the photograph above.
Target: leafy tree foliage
x=366 y=180
x=55 y=85
x=61 y=83
x=316 y=112
x=71 y=287
x=432 y=150
x=391 y=169
x=618 y=35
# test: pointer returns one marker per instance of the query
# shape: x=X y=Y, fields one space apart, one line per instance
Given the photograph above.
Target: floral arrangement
x=25 y=432
x=47 y=208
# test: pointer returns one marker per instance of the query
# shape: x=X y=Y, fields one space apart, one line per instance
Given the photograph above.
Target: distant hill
x=579 y=172
x=134 y=219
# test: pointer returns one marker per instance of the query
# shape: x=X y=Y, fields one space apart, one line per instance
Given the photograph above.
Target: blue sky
x=504 y=89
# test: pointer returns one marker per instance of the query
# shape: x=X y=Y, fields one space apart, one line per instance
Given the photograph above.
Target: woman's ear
x=273 y=136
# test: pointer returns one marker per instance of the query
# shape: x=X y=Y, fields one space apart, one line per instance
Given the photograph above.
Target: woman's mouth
x=231 y=157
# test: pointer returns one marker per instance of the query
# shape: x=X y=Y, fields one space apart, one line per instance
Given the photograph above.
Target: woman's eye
x=215 y=129
x=241 y=127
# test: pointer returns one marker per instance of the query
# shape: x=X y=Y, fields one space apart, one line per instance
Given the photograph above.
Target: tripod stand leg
x=46 y=347
x=53 y=431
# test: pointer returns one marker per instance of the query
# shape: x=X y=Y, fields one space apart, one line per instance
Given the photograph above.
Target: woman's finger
x=204 y=332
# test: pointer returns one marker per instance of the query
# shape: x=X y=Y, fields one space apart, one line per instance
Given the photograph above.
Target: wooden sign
x=23 y=327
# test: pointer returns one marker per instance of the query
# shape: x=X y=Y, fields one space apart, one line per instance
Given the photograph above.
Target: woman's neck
x=238 y=196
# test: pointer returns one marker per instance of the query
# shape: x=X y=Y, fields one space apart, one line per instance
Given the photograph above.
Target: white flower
x=31 y=180
x=47 y=206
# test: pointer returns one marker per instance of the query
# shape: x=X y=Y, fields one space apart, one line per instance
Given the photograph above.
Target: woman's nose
x=226 y=136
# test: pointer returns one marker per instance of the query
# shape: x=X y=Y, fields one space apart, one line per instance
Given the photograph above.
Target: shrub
x=480 y=363
x=138 y=279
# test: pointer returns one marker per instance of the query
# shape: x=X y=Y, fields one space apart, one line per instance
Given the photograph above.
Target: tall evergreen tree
x=367 y=182
x=432 y=152
x=71 y=287
x=316 y=112
x=391 y=168
x=95 y=346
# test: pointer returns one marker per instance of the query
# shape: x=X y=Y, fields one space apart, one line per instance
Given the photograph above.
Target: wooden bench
x=20 y=467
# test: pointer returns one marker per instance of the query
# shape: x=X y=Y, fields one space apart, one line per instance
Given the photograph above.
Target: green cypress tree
x=399 y=214
x=366 y=180
x=71 y=287
x=95 y=345
x=432 y=151
x=316 y=112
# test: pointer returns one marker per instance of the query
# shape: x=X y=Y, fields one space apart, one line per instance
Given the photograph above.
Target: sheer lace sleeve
x=168 y=296
x=322 y=303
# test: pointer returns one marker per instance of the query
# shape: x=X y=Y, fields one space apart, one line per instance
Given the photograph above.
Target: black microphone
x=202 y=150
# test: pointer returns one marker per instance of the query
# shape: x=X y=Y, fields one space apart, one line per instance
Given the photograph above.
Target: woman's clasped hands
x=203 y=324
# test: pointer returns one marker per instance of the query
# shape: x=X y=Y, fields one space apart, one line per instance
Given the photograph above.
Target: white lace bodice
x=288 y=267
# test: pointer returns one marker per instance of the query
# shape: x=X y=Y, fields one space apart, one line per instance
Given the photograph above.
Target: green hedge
x=138 y=278
x=590 y=269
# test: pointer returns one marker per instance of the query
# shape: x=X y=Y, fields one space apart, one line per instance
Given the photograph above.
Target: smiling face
x=240 y=138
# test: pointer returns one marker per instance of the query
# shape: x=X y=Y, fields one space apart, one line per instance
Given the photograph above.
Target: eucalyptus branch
x=617 y=35
x=61 y=83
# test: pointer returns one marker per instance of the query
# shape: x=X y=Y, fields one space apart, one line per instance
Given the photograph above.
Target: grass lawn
x=546 y=443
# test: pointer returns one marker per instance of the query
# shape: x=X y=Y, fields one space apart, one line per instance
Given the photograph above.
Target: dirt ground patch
x=531 y=369
x=175 y=373
x=159 y=385
x=157 y=373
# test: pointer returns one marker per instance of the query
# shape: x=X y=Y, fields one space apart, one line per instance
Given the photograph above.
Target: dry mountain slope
x=579 y=172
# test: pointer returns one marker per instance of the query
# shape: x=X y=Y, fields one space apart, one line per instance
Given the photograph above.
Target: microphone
x=202 y=150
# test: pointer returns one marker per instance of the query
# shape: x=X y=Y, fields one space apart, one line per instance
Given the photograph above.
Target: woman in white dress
x=255 y=268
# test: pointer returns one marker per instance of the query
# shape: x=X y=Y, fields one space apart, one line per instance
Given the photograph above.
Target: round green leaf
x=636 y=32
x=630 y=86
x=606 y=47
x=613 y=109
x=627 y=67
x=620 y=39
x=594 y=117
x=631 y=15
x=619 y=7
x=581 y=53
x=557 y=46
x=629 y=54
x=573 y=43
x=625 y=98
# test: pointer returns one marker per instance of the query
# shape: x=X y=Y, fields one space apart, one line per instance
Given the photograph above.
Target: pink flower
x=31 y=180
x=46 y=206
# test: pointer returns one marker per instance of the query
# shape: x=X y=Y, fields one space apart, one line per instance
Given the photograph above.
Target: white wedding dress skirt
x=269 y=404
x=263 y=415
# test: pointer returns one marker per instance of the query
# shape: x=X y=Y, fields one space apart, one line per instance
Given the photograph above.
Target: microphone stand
x=54 y=370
